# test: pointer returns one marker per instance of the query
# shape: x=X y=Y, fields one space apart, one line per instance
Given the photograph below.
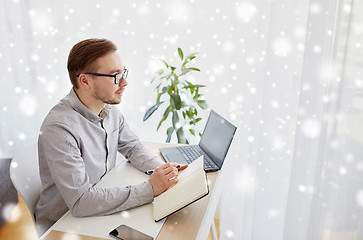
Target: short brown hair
x=84 y=54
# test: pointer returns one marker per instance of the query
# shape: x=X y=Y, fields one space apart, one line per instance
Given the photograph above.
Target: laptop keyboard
x=192 y=152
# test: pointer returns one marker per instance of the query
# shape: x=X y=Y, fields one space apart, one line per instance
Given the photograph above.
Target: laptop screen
x=217 y=137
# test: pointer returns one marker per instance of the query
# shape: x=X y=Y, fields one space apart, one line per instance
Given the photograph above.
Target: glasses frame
x=123 y=75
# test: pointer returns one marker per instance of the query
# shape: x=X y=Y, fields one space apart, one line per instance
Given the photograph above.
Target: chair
x=24 y=173
x=8 y=193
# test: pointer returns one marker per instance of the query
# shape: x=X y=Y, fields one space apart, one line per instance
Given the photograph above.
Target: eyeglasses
x=117 y=77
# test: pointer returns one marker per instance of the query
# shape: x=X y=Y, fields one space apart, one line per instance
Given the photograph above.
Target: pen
x=149 y=172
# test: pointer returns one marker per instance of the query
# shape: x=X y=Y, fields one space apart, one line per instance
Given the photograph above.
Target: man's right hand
x=164 y=177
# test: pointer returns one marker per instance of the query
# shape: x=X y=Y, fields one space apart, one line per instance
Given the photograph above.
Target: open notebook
x=192 y=186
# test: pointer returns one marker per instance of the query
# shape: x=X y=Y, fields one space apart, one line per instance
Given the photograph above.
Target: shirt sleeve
x=60 y=149
x=133 y=150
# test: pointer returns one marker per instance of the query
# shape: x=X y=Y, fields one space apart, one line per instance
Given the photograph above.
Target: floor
x=20 y=225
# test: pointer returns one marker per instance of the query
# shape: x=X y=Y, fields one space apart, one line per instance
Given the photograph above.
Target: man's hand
x=164 y=177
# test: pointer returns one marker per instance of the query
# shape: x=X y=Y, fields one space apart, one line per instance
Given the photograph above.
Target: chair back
x=24 y=173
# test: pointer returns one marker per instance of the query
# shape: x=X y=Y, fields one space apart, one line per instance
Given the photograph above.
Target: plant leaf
x=151 y=110
x=160 y=71
x=190 y=114
x=202 y=103
x=194 y=86
x=164 y=90
x=181 y=55
x=167 y=65
x=184 y=71
x=169 y=132
x=176 y=100
x=189 y=58
x=196 y=96
x=165 y=116
x=194 y=69
x=189 y=83
x=194 y=121
x=175 y=119
x=180 y=135
x=158 y=97
x=176 y=79
x=184 y=104
x=192 y=132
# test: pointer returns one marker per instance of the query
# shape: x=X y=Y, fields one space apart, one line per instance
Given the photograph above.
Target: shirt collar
x=78 y=106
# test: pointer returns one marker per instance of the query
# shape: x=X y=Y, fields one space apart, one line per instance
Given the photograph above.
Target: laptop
x=214 y=144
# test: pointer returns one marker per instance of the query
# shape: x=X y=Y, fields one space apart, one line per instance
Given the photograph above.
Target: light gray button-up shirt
x=76 y=149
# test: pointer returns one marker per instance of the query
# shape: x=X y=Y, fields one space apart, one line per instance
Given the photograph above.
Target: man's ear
x=83 y=81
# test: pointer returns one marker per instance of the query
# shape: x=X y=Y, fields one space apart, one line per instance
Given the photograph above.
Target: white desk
x=192 y=222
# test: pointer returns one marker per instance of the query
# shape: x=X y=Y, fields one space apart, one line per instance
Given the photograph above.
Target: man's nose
x=123 y=83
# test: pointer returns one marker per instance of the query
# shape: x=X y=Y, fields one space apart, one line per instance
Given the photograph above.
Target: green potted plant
x=180 y=98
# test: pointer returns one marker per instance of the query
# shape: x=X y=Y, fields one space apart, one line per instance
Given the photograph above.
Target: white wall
x=36 y=37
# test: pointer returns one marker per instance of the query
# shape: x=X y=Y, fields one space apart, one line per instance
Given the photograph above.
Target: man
x=80 y=137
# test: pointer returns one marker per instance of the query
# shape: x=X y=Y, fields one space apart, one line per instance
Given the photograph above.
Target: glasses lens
x=118 y=78
x=121 y=76
x=125 y=73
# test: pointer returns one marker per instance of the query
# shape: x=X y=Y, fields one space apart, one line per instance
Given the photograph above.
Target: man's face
x=104 y=88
